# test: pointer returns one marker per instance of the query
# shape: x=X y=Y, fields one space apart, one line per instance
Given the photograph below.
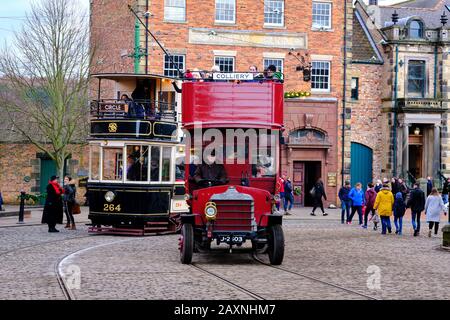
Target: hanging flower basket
x=297 y=94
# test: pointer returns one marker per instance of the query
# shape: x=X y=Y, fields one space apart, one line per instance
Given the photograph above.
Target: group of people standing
x=59 y=199
x=386 y=199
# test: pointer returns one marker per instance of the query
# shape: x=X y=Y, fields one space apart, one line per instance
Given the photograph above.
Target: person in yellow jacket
x=384 y=204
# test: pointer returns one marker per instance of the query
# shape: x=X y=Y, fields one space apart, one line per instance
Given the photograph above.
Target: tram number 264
x=111 y=208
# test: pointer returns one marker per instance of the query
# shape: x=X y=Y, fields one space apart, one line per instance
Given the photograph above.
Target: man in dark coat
x=417 y=204
x=53 y=209
x=318 y=192
x=210 y=172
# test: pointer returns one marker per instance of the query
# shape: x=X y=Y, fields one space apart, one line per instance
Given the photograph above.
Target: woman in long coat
x=53 y=209
x=434 y=206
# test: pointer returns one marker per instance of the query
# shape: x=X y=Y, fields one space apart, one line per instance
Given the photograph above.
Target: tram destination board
x=144 y=129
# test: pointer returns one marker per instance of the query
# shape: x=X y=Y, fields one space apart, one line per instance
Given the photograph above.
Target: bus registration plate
x=231 y=239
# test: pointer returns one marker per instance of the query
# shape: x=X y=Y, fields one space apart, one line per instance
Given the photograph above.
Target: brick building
x=235 y=34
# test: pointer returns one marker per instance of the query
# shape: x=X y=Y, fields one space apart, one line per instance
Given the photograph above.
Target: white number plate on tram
x=234 y=239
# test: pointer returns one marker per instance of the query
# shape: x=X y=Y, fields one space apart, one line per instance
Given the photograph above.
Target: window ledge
x=319 y=91
x=322 y=29
x=175 y=21
x=268 y=26
x=225 y=24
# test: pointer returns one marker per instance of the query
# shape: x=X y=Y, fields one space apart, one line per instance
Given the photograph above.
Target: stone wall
x=366 y=116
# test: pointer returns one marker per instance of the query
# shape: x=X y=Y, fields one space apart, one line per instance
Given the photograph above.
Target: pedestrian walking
x=384 y=204
x=434 y=206
x=280 y=184
x=429 y=185
x=445 y=190
x=399 y=212
x=375 y=218
x=346 y=203
x=53 y=209
x=395 y=185
x=357 y=197
x=370 y=197
x=1 y=201
x=318 y=192
x=69 y=197
x=403 y=188
x=378 y=186
x=288 y=196
x=417 y=204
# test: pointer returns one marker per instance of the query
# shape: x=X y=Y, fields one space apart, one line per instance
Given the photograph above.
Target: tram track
x=257 y=259
x=228 y=282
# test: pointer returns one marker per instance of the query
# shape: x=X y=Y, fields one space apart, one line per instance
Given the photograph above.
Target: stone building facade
x=236 y=34
x=413 y=39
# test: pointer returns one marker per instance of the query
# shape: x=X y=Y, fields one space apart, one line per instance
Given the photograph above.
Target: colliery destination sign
x=233 y=76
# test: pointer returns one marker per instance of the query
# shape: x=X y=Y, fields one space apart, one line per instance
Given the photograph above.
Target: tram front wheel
x=187 y=243
x=276 y=245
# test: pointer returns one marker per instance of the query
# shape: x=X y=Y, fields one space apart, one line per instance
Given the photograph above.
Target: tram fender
x=274 y=219
x=188 y=218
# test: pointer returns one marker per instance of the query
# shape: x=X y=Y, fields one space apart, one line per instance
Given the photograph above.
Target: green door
x=48 y=169
x=361 y=164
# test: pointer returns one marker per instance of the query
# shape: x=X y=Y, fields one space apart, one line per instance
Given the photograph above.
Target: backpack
x=287 y=187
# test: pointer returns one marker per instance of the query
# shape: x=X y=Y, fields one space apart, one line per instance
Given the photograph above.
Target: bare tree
x=47 y=78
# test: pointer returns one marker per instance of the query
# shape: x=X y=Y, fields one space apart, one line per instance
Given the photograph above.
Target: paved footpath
x=323 y=260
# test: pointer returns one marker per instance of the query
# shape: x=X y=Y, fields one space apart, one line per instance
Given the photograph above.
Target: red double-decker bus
x=233 y=132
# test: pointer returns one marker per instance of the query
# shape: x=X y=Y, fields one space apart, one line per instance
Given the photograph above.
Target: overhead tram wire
x=154 y=38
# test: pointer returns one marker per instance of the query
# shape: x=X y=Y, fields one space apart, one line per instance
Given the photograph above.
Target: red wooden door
x=298 y=181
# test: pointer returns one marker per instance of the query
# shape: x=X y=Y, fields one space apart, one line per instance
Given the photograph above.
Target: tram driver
x=210 y=173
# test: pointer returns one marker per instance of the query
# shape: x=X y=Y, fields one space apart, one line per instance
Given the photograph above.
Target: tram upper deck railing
x=135 y=109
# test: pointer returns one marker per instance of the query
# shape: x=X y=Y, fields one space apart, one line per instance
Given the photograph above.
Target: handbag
x=313 y=191
x=76 y=208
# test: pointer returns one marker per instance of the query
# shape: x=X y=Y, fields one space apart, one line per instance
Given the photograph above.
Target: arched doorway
x=361 y=164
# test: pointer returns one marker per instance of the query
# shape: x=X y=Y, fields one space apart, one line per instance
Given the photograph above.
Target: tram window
x=180 y=167
x=137 y=163
x=166 y=156
x=95 y=162
x=112 y=164
x=154 y=164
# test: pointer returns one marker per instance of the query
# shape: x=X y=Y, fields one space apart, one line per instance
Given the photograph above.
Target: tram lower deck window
x=112 y=164
x=137 y=163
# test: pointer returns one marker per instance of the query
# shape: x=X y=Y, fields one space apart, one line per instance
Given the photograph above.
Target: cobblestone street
x=323 y=260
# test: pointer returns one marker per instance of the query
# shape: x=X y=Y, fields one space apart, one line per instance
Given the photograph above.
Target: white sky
x=12 y=14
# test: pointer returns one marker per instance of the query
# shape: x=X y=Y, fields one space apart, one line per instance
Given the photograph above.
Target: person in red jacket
x=370 y=197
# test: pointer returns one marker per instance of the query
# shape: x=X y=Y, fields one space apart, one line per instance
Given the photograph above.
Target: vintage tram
x=232 y=202
x=136 y=179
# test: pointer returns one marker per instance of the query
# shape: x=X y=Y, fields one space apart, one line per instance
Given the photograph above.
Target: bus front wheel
x=187 y=243
x=276 y=245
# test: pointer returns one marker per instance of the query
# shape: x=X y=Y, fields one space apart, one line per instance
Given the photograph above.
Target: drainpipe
x=146 y=38
x=435 y=70
x=395 y=112
x=344 y=95
x=137 y=36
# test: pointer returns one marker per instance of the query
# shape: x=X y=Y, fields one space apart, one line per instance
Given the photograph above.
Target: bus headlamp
x=109 y=196
x=211 y=211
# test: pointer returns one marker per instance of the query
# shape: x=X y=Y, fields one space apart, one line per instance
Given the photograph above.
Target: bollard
x=22 y=207
x=446 y=240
